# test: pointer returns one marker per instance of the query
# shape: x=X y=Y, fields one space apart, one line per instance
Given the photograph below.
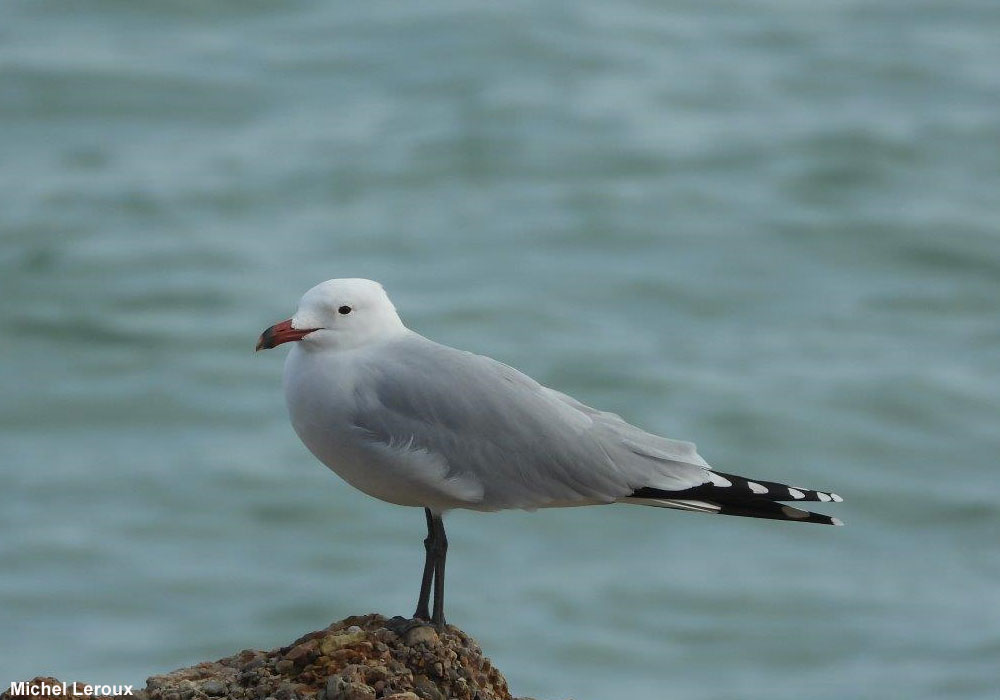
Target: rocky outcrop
x=366 y=657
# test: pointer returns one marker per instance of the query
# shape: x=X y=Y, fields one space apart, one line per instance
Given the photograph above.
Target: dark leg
x=441 y=553
x=423 y=612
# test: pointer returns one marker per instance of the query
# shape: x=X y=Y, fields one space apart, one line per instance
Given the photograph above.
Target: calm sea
x=770 y=227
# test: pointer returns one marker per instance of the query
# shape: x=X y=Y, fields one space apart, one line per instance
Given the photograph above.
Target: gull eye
x=344 y=310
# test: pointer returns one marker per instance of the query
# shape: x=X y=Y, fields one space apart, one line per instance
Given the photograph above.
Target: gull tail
x=728 y=494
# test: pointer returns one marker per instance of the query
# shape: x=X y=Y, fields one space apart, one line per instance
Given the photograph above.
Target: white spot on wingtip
x=823 y=497
x=794 y=512
x=718 y=480
x=836 y=498
x=757 y=488
x=796 y=493
x=837 y=521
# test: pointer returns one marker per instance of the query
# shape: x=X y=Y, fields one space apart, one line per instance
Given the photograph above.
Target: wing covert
x=527 y=445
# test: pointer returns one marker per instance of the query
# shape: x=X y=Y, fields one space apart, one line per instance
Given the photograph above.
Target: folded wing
x=528 y=446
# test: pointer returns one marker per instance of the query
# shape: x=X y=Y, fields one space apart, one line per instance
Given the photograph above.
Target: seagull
x=416 y=423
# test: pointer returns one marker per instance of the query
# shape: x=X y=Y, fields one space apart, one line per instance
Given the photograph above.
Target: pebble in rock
x=424 y=634
x=213 y=687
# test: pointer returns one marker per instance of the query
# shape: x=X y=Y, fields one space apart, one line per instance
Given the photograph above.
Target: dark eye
x=344 y=310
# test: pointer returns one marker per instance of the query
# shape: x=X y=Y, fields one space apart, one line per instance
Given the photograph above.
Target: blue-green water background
x=767 y=226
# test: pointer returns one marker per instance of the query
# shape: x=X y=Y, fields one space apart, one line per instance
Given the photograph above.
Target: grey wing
x=518 y=443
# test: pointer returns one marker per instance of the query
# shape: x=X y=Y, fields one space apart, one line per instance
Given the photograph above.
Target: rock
x=338 y=688
x=339 y=641
x=303 y=653
x=424 y=634
x=426 y=689
x=213 y=687
x=359 y=658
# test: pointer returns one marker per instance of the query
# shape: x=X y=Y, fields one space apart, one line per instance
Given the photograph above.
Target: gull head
x=343 y=313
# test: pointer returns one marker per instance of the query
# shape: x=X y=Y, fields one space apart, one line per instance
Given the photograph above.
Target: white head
x=341 y=313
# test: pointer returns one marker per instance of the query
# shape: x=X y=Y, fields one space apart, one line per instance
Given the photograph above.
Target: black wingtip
x=732 y=500
x=776 y=511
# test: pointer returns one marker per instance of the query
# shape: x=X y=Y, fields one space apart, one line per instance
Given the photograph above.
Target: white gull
x=417 y=423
